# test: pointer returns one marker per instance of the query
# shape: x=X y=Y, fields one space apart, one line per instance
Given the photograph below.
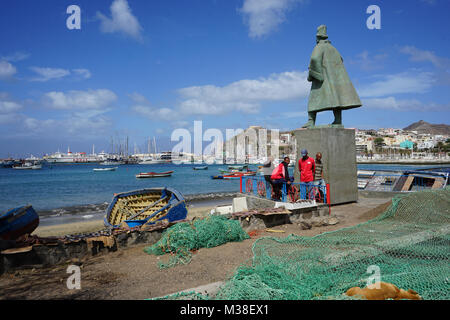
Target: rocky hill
x=425 y=127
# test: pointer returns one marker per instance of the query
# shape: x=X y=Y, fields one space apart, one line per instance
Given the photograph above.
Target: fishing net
x=409 y=244
x=182 y=238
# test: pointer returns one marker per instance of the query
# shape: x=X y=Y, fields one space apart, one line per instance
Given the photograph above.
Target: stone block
x=338 y=149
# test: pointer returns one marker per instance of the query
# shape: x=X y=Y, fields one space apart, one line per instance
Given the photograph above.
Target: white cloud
x=368 y=62
x=46 y=74
x=7 y=70
x=83 y=73
x=394 y=104
x=17 y=56
x=245 y=95
x=156 y=114
x=79 y=100
x=122 y=20
x=405 y=82
x=263 y=16
x=9 y=106
x=418 y=55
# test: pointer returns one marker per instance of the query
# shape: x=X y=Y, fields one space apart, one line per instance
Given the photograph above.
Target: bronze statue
x=331 y=87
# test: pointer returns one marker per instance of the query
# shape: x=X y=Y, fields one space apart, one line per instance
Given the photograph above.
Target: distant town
x=421 y=142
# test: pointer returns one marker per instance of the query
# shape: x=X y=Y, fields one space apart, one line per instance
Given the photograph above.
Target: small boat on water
x=154 y=174
x=240 y=168
x=17 y=222
x=238 y=175
x=105 y=169
x=216 y=177
x=200 y=168
x=145 y=206
x=28 y=166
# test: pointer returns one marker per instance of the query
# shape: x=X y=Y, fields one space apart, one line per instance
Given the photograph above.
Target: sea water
x=61 y=189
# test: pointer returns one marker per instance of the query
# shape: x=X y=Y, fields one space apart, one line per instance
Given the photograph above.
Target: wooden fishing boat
x=200 y=168
x=238 y=175
x=105 y=169
x=154 y=174
x=17 y=222
x=402 y=181
x=145 y=206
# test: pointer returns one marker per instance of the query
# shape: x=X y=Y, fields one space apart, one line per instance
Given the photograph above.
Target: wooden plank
x=438 y=182
x=408 y=183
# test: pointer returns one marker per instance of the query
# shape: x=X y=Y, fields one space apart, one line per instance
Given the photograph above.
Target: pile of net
x=183 y=238
x=408 y=245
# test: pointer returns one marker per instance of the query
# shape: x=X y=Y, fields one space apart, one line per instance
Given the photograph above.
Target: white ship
x=69 y=157
x=151 y=160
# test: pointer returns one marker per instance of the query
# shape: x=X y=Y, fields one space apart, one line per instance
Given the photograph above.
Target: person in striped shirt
x=318 y=176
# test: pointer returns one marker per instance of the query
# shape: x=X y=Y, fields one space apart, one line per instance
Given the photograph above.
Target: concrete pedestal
x=338 y=149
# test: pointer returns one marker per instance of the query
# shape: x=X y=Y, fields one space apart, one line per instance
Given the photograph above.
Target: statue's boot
x=311 y=120
x=337 y=116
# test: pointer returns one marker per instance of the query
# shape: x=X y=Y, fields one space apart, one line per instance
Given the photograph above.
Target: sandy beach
x=194 y=210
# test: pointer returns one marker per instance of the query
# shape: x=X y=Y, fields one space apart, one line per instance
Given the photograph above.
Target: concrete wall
x=338 y=149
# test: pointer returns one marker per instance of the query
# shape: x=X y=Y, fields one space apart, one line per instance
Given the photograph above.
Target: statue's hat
x=322 y=31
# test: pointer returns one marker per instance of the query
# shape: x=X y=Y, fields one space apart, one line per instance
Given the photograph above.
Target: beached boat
x=145 y=206
x=17 y=222
x=154 y=174
x=402 y=181
x=200 y=168
x=105 y=169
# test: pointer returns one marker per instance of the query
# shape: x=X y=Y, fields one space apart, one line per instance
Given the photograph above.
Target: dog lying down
x=384 y=291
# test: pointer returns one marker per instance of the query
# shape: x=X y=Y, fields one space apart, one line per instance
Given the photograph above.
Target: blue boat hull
x=17 y=222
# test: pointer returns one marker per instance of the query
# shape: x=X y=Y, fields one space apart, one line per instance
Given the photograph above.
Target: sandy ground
x=95 y=225
x=132 y=274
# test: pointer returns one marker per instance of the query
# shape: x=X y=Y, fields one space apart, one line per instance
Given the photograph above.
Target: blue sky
x=141 y=68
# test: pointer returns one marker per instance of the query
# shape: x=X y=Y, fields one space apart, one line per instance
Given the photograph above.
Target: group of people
x=311 y=172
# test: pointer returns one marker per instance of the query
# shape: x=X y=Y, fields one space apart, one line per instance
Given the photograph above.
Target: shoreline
x=197 y=206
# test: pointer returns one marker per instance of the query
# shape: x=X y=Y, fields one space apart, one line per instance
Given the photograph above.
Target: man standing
x=280 y=176
x=318 y=173
x=307 y=168
x=318 y=177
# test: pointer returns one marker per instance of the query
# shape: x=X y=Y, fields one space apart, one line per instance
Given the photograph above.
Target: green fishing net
x=180 y=239
x=408 y=244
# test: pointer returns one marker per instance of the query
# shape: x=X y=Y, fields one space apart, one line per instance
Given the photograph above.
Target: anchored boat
x=154 y=174
x=200 y=168
x=145 y=206
x=105 y=169
x=238 y=175
x=17 y=222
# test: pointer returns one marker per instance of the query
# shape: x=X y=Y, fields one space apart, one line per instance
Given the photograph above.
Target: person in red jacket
x=307 y=168
x=279 y=176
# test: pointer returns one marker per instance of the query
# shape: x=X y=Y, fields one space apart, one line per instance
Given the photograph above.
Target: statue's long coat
x=331 y=87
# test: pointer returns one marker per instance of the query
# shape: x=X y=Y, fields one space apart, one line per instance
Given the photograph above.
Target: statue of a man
x=331 y=87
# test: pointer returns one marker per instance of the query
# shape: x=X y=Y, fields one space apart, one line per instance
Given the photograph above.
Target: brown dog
x=384 y=291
